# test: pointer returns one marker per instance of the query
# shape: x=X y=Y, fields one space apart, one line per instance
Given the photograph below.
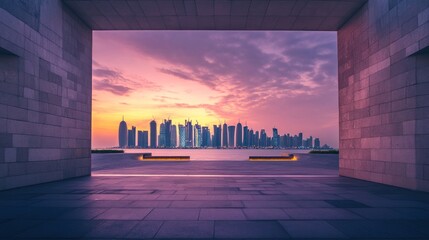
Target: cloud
x=111 y=86
x=116 y=82
x=255 y=66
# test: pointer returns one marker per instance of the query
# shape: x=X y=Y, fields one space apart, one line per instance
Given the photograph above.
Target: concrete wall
x=384 y=94
x=45 y=93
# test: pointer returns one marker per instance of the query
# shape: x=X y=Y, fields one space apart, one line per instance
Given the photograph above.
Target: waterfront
x=218 y=154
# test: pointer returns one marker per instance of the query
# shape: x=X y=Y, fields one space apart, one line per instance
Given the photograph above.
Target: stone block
x=9 y=155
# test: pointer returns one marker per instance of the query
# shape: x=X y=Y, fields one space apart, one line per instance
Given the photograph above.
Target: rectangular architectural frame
x=46 y=61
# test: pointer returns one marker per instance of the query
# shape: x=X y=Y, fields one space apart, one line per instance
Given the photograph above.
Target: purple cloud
x=114 y=81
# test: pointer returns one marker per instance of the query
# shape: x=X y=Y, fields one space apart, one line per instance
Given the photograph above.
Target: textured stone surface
x=45 y=78
x=45 y=93
x=383 y=93
x=215 y=14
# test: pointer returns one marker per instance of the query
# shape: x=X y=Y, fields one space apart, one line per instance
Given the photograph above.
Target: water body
x=218 y=154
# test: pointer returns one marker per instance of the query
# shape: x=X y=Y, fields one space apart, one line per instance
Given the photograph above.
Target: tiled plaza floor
x=187 y=207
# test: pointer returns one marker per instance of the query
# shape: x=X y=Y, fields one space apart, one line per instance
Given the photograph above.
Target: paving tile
x=173 y=214
x=141 y=197
x=44 y=212
x=346 y=204
x=109 y=203
x=186 y=229
x=83 y=213
x=105 y=196
x=145 y=229
x=60 y=203
x=320 y=213
x=378 y=213
x=265 y=214
x=270 y=204
x=207 y=197
x=111 y=229
x=59 y=229
x=206 y=204
x=311 y=229
x=12 y=228
x=124 y=214
x=313 y=204
x=249 y=229
x=171 y=197
x=221 y=214
x=383 y=229
x=151 y=204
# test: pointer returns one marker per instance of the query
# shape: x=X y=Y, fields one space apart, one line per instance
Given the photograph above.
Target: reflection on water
x=217 y=154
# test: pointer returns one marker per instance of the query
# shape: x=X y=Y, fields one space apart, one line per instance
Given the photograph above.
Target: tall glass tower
x=239 y=137
x=123 y=134
x=153 y=134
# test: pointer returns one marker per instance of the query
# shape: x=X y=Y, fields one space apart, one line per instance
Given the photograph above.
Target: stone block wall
x=384 y=93
x=45 y=93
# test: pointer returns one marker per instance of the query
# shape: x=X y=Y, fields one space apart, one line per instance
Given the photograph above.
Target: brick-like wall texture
x=384 y=93
x=45 y=93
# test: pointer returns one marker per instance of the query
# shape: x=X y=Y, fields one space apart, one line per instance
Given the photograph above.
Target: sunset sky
x=278 y=79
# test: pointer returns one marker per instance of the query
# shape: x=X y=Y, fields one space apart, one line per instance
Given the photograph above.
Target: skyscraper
x=217 y=136
x=140 y=139
x=153 y=134
x=239 y=137
x=299 y=140
x=145 y=139
x=275 y=140
x=197 y=135
x=173 y=134
x=189 y=134
x=182 y=136
x=123 y=134
x=231 y=133
x=316 y=143
x=161 y=141
x=263 y=140
x=132 y=137
x=205 y=137
x=225 y=136
x=245 y=136
x=256 y=139
x=167 y=133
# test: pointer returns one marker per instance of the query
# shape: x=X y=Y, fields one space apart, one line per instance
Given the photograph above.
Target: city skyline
x=286 y=79
x=199 y=136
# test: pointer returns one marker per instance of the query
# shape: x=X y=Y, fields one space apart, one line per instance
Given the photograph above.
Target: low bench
x=165 y=158
x=290 y=157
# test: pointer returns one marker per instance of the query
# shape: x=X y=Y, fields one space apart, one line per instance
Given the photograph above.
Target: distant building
x=161 y=140
x=132 y=137
x=189 y=134
x=231 y=133
x=182 y=136
x=252 y=138
x=245 y=136
x=167 y=133
x=299 y=143
x=197 y=135
x=239 y=137
x=123 y=134
x=225 y=135
x=216 y=136
x=145 y=139
x=263 y=139
x=140 y=139
x=153 y=134
x=173 y=134
x=205 y=137
x=316 y=143
x=275 y=140
x=256 y=139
